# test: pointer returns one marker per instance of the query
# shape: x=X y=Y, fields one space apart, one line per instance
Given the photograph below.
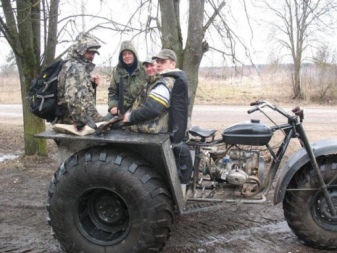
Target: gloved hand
x=79 y=127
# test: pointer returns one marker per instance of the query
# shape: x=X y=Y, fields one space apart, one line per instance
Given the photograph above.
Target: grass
x=10 y=91
x=230 y=89
x=240 y=91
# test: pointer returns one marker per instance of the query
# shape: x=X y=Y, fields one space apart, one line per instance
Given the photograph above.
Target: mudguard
x=297 y=160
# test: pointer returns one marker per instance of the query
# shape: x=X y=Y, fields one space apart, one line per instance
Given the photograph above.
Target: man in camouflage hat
x=76 y=88
x=134 y=79
x=150 y=66
x=165 y=110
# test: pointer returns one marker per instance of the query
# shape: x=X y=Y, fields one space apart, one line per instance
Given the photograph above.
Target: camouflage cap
x=166 y=54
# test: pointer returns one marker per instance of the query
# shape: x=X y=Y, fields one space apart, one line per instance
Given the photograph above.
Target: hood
x=126 y=45
x=83 y=42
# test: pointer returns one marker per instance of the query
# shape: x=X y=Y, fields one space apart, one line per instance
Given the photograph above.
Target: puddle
x=246 y=234
x=4 y=157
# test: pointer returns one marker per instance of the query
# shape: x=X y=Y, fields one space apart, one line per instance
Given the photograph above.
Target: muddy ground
x=230 y=228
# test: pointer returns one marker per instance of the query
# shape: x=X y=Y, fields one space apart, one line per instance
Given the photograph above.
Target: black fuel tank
x=248 y=133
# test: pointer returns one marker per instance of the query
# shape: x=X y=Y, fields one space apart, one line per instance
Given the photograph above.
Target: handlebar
x=256 y=108
x=259 y=104
x=252 y=110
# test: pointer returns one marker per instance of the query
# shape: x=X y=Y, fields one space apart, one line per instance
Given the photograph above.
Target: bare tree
x=204 y=17
x=20 y=24
x=299 y=25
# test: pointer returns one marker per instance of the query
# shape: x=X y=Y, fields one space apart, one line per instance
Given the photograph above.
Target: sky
x=120 y=11
x=257 y=42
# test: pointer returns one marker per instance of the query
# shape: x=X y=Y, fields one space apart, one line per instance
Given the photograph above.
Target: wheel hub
x=321 y=211
x=102 y=216
x=324 y=209
x=108 y=210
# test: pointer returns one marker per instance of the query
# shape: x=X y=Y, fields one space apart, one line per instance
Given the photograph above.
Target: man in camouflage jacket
x=76 y=88
x=150 y=66
x=134 y=78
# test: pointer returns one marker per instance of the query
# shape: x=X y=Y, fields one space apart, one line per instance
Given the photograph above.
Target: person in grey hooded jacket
x=132 y=71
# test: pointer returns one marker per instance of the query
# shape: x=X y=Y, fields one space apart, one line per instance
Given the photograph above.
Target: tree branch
x=216 y=12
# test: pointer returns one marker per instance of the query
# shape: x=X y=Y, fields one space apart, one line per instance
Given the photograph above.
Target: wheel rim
x=102 y=216
x=321 y=211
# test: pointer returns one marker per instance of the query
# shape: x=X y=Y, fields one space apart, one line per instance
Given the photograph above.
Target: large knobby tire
x=102 y=200
x=307 y=212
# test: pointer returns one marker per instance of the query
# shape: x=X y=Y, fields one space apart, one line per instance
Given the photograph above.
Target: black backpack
x=42 y=93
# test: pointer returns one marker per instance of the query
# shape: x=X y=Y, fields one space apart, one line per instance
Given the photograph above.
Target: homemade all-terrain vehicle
x=120 y=193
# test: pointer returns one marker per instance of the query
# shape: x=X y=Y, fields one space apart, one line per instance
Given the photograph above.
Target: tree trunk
x=170 y=28
x=194 y=48
x=297 y=84
x=190 y=58
x=52 y=33
x=28 y=66
x=297 y=89
x=36 y=17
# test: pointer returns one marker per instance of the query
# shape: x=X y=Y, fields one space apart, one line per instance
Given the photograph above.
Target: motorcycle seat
x=201 y=132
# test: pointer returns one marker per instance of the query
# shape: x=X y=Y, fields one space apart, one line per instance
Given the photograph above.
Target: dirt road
x=213 y=116
x=230 y=228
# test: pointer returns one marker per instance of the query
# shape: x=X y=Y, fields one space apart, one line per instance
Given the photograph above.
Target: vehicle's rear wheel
x=307 y=212
x=101 y=200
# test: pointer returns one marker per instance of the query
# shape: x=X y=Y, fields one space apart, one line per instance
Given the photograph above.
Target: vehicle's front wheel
x=101 y=200
x=306 y=209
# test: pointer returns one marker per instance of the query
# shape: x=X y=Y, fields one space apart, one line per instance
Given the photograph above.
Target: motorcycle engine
x=237 y=167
